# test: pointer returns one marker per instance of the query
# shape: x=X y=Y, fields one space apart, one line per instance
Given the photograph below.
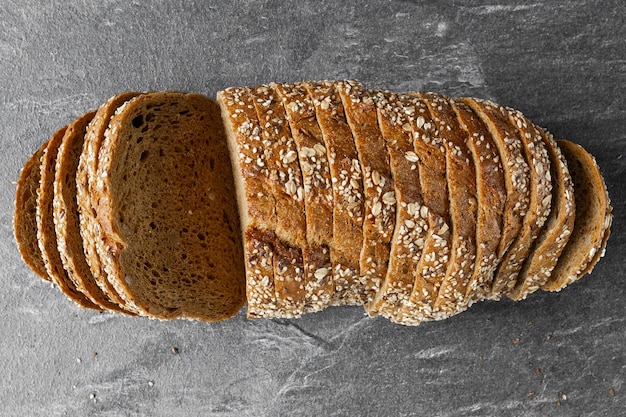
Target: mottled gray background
x=562 y=63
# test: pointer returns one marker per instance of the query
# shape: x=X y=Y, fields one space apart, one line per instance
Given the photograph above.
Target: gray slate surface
x=562 y=63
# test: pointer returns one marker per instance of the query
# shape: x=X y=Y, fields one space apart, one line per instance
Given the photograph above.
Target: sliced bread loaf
x=167 y=209
x=592 y=221
x=25 y=216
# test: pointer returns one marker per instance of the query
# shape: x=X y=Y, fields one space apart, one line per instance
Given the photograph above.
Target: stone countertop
x=563 y=63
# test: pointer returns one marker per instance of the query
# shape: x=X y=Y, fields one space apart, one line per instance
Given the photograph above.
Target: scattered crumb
x=538 y=371
x=175 y=350
x=530 y=394
x=78 y=360
x=150 y=383
x=94 y=354
x=548 y=336
x=516 y=341
x=612 y=392
x=93 y=397
x=530 y=323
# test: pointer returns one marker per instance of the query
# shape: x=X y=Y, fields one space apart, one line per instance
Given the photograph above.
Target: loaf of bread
x=295 y=197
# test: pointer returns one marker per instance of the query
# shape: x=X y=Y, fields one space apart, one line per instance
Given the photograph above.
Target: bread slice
x=85 y=185
x=549 y=245
x=540 y=203
x=257 y=211
x=318 y=193
x=65 y=212
x=167 y=209
x=25 y=215
x=592 y=222
x=46 y=235
x=411 y=223
x=491 y=191
x=285 y=183
x=461 y=178
x=516 y=176
x=347 y=185
x=431 y=164
x=378 y=188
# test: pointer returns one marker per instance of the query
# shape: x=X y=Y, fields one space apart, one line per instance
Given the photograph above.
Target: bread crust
x=378 y=187
x=25 y=215
x=347 y=187
x=318 y=195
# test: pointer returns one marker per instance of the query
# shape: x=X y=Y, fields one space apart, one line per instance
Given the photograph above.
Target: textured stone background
x=563 y=63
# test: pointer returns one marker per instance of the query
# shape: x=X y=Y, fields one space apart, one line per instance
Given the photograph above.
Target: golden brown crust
x=65 y=212
x=347 y=186
x=318 y=196
x=25 y=215
x=285 y=183
x=516 y=175
x=491 y=194
x=461 y=178
x=378 y=188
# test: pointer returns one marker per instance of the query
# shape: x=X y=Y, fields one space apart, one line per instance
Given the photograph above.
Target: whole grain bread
x=65 y=212
x=25 y=214
x=46 y=235
x=592 y=221
x=167 y=209
x=85 y=186
x=318 y=193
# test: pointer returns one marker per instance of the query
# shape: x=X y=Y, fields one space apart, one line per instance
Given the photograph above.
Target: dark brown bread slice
x=491 y=193
x=65 y=212
x=347 y=185
x=85 y=184
x=411 y=224
x=46 y=235
x=432 y=267
x=257 y=211
x=378 y=188
x=593 y=219
x=461 y=178
x=285 y=183
x=168 y=210
x=516 y=176
x=25 y=216
x=550 y=243
x=318 y=193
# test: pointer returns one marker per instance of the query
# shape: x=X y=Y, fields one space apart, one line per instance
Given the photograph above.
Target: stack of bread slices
x=295 y=197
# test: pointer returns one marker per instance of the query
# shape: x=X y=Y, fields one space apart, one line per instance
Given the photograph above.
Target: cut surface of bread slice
x=318 y=193
x=65 y=212
x=592 y=221
x=46 y=235
x=378 y=188
x=85 y=185
x=347 y=186
x=285 y=183
x=461 y=178
x=550 y=243
x=491 y=194
x=25 y=216
x=168 y=211
x=257 y=211
x=516 y=176
x=411 y=225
